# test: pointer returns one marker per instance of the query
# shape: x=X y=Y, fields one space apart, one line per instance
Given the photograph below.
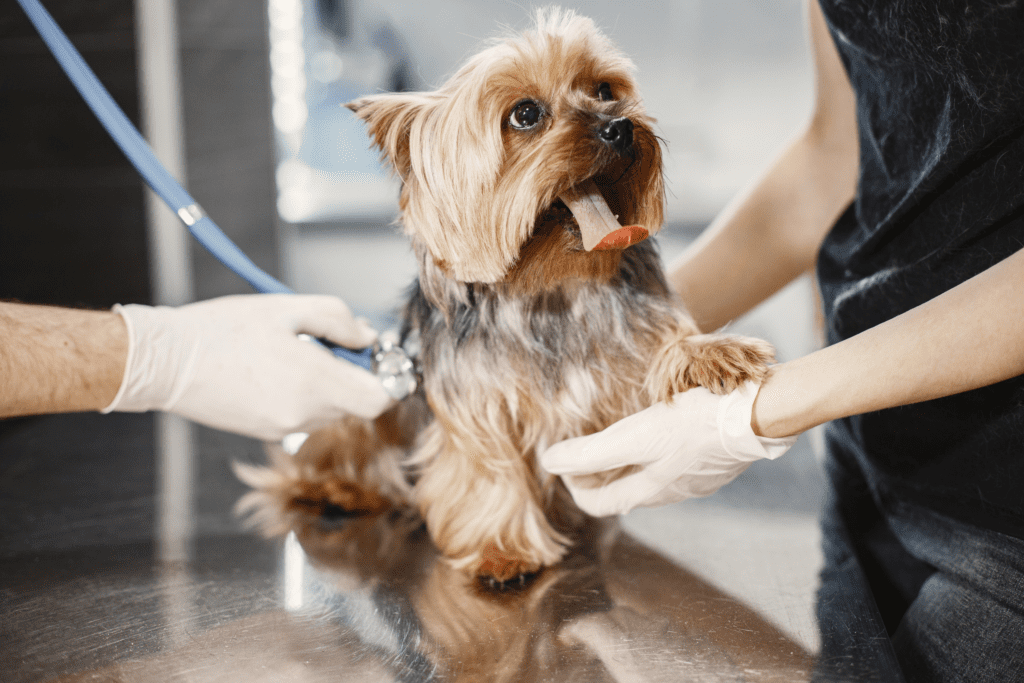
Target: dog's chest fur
x=559 y=363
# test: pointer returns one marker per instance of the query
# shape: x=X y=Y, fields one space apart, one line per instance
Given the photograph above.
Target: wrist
x=736 y=432
x=125 y=352
x=778 y=410
x=112 y=357
x=158 y=361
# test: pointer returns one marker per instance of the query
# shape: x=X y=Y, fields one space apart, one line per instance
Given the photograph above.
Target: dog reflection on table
x=530 y=181
x=612 y=609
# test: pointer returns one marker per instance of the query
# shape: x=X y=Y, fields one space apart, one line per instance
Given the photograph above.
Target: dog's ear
x=388 y=120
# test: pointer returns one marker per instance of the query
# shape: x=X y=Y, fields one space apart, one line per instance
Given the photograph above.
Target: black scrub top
x=940 y=111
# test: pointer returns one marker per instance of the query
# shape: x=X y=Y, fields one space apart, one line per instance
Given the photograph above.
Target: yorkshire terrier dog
x=530 y=182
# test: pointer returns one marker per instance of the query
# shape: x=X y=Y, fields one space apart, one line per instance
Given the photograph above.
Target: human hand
x=236 y=364
x=688 y=448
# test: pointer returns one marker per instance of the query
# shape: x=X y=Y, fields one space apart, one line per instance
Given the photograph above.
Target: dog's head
x=538 y=149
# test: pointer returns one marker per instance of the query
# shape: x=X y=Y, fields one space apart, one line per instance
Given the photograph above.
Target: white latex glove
x=236 y=364
x=687 y=449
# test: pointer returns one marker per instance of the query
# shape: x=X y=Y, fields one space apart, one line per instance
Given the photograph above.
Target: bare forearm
x=59 y=360
x=969 y=337
x=771 y=234
x=768 y=237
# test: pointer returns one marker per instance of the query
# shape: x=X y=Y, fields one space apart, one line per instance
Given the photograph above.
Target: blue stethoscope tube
x=153 y=172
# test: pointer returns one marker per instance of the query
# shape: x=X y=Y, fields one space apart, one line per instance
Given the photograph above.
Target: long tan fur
x=527 y=339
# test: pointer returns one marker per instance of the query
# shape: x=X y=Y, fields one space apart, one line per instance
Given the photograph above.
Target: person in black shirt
x=905 y=193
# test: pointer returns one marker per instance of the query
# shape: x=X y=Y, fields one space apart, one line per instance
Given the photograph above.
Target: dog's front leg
x=481 y=500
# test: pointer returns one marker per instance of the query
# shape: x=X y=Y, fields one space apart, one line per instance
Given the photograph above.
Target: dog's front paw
x=718 y=362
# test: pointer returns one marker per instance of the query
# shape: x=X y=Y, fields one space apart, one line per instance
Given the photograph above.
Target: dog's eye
x=604 y=92
x=526 y=115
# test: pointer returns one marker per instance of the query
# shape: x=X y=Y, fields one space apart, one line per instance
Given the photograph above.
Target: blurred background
x=727 y=81
x=247 y=111
x=252 y=99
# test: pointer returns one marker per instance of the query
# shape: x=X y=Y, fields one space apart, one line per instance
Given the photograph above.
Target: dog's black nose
x=618 y=133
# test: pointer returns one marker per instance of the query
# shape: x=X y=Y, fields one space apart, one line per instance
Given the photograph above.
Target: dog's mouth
x=599 y=227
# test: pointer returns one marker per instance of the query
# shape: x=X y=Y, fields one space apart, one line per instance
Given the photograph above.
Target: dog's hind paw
x=334 y=498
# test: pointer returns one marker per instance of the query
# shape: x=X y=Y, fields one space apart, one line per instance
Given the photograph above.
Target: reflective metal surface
x=92 y=590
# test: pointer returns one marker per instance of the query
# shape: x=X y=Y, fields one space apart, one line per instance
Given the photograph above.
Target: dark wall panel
x=72 y=218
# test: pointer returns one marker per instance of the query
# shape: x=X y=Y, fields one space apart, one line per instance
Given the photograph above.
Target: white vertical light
x=162 y=124
x=294 y=563
x=156 y=37
x=288 y=71
x=289 y=110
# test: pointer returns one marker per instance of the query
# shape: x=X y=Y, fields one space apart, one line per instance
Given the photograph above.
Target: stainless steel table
x=96 y=584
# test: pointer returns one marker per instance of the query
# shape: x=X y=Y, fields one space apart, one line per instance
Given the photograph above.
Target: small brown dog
x=540 y=316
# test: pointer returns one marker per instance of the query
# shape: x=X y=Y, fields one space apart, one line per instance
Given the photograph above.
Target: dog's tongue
x=600 y=228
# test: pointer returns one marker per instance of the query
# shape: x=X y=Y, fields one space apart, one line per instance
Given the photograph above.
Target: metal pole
x=163 y=126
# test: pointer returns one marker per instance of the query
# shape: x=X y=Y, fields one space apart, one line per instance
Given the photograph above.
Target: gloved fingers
x=354 y=390
x=566 y=457
x=599 y=497
x=591 y=454
x=647 y=487
x=329 y=318
x=620 y=444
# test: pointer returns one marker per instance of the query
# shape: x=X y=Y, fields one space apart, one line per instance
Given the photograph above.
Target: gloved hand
x=236 y=364
x=687 y=449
